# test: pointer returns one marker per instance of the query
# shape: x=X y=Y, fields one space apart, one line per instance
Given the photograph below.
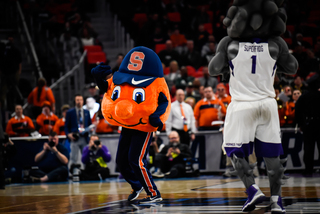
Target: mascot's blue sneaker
x=151 y=199
x=255 y=196
x=134 y=194
x=276 y=205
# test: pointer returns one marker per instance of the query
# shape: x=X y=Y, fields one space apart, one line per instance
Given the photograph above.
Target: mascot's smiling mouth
x=140 y=122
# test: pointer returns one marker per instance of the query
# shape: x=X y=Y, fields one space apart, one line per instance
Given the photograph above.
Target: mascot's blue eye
x=116 y=93
x=138 y=95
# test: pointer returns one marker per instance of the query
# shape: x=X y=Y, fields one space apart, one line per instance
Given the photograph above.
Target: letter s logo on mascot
x=137 y=96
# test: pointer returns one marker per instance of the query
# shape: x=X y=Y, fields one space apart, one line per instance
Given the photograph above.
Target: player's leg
x=245 y=173
x=137 y=159
x=268 y=145
x=275 y=172
x=239 y=133
x=123 y=164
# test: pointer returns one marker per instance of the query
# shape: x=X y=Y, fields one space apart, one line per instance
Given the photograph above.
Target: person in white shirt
x=182 y=122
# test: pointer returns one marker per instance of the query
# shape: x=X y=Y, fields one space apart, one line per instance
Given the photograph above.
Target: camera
x=51 y=144
x=6 y=138
x=174 y=145
x=76 y=136
x=97 y=142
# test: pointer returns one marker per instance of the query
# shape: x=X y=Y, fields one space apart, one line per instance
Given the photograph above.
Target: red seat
x=166 y=70
x=198 y=73
x=191 y=70
x=159 y=47
x=208 y=28
x=309 y=40
x=92 y=48
x=140 y=19
x=96 y=57
x=288 y=41
x=174 y=17
x=290 y=28
x=210 y=13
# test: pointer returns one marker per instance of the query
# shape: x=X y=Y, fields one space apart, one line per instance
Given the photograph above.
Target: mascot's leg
x=245 y=173
x=275 y=173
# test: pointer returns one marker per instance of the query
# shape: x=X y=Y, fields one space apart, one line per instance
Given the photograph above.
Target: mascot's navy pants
x=131 y=160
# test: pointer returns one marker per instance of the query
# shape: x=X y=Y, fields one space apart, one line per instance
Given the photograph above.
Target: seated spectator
x=201 y=37
x=92 y=106
x=209 y=54
x=208 y=80
x=285 y=94
x=222 y=94
x=171 y=159
x=191 y=101
x=309 y=65
x=192 y=92
x=92 y=91
x=178 y=39
x=8 y=151
x=155 y=146
x=206 y=49
x=52 y=162
x=59 y=126
x=298 y=84
x=40 y=94
x=208 y=110
x=169 y=54
x=95 y=156
x=20 y=125
x=191 y=56
x=173 y=75
x=182 y=81
x=299 y=41
x=300 y=54
x=159 y=36
x=290 y=109
x=120 y=57
x=46 y=120
x=71 y=50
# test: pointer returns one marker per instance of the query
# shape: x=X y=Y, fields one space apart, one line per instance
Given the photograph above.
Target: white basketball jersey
x=252 y=72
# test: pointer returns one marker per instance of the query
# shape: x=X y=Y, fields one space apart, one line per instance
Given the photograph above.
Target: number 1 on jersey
x=254 y=60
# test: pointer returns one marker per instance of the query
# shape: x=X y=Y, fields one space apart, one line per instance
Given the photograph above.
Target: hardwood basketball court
x=204 y=194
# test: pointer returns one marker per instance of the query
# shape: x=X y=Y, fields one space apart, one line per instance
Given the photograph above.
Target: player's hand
x=101 y=71
x=155 y=121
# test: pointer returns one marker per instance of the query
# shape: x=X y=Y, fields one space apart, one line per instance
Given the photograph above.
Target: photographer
x=95 y=156
x=52 y=161
x=170 y=160
x=8 y=151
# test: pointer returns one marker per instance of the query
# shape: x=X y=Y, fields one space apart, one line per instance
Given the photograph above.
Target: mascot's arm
x=154 y=118
x=219 y=63
x=100 y=72
x=286 y=62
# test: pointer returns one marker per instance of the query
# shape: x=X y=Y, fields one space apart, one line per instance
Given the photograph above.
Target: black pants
x=93 y=175
x=58 y=174
x=184 y=136
x=309 y=139
x=161 y=161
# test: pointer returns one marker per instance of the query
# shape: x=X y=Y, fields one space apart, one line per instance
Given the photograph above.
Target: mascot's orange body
x=136 y=98
x=125 y=111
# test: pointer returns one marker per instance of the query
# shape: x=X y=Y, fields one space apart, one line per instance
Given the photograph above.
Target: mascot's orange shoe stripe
x=143 y=169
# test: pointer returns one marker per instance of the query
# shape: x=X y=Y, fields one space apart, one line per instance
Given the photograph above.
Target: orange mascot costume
x=136 y=98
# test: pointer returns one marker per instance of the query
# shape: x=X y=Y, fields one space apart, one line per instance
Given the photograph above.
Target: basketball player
x=252 y=118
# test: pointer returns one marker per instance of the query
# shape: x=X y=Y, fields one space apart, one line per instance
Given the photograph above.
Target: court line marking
x=110 y=204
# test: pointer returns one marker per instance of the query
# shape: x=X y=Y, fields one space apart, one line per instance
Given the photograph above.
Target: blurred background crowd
x=184 y=34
